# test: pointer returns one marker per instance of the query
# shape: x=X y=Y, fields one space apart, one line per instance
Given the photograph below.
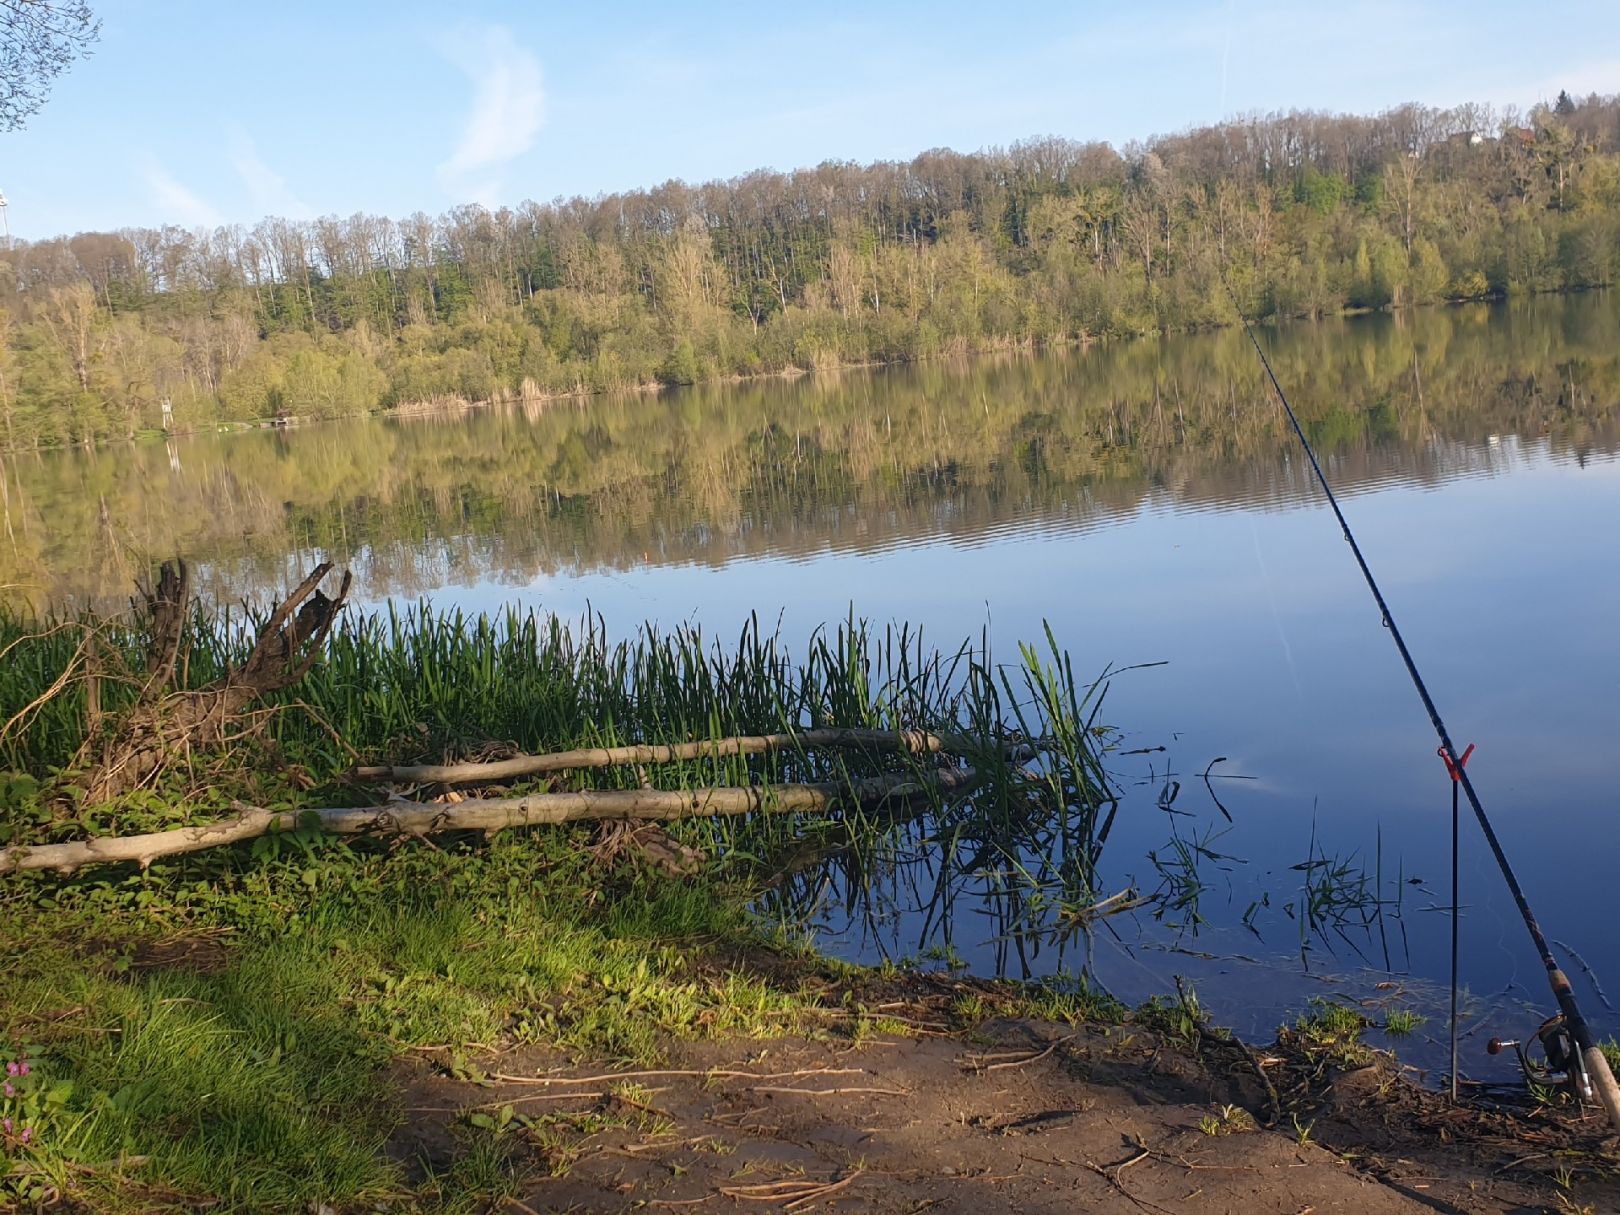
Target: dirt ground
x=1013 y=1116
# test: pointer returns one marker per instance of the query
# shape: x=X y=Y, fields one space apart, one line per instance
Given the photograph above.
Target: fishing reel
x=1560 y=1065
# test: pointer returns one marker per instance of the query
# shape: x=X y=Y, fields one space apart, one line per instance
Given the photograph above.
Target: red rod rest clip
x=1454 y=770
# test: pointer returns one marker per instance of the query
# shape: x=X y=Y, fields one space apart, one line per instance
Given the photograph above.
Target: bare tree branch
x=491 y=814
x=914 y=742
x=39 y=40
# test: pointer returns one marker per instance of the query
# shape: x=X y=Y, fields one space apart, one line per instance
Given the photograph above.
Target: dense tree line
x=106 y=335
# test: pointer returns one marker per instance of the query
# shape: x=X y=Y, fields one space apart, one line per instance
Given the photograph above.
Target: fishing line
x=1276 y=614
x=1600 y=1078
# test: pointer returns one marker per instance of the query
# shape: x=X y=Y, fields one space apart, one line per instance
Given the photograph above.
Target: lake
x=1146 y=500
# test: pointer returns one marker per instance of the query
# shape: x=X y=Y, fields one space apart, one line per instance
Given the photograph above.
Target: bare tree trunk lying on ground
x=914 y=742
x=491 y=814
x=165 y=725
x=647 y=839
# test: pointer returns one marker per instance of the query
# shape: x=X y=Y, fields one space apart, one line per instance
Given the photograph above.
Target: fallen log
x=914 y=742
x=489 y=814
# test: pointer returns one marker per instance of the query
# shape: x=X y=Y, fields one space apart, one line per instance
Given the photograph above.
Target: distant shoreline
x=448 y=407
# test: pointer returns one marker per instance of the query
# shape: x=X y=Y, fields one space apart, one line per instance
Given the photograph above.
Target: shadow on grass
x=258 y=1080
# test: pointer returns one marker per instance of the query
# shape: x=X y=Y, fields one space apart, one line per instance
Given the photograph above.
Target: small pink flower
x=6 y=1122
x=11 y=1068
x=27 y=1133
x=22 y=1068
x=8 y=1090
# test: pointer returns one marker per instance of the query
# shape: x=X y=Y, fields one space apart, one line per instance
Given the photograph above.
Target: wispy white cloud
x=267 y=188
x=175 y=202
x=508 y=109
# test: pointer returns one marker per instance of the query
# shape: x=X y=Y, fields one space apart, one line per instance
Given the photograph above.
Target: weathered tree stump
x=166 y=725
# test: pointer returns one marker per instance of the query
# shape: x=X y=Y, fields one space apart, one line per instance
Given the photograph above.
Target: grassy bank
x=226 y=1036
x=224 y=1028
x=253 y=1028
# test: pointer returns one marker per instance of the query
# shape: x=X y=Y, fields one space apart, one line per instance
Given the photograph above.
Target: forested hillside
x=105 y=335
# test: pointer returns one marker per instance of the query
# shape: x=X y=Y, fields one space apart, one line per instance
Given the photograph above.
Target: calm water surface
x=1142 y=498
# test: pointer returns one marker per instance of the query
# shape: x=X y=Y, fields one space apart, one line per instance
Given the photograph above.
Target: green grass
x=1230 y=1120
x=263 y=1084
x=254 y=1074
x=482 y=1173
x=1329 y=1020
x=1071 y=1000
x=1402 y=1021
x=262 y=1079
x=1181 y=1019
x=1332 y=1030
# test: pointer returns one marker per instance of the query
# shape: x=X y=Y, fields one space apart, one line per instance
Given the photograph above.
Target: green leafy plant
x=1228 y=1120
x=1181 y=1019
x=33 y=1128
x=1402 y=1021
x=1331 y=1030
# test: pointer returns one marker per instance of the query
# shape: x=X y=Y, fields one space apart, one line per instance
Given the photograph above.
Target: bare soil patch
x=1013 y=1116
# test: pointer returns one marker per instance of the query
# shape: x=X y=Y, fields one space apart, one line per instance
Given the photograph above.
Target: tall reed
x=419 y=684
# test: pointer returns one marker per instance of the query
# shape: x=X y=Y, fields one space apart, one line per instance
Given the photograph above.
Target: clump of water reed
x=1022 y=848
x=1010 y=771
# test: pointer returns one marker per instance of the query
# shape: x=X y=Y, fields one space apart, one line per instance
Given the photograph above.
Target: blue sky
x=200 y=113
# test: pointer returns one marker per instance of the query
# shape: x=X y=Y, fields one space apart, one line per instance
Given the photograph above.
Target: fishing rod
x=1588 y=1067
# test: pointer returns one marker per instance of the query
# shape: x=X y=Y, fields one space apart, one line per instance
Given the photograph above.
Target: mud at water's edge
x=1013 y=1115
